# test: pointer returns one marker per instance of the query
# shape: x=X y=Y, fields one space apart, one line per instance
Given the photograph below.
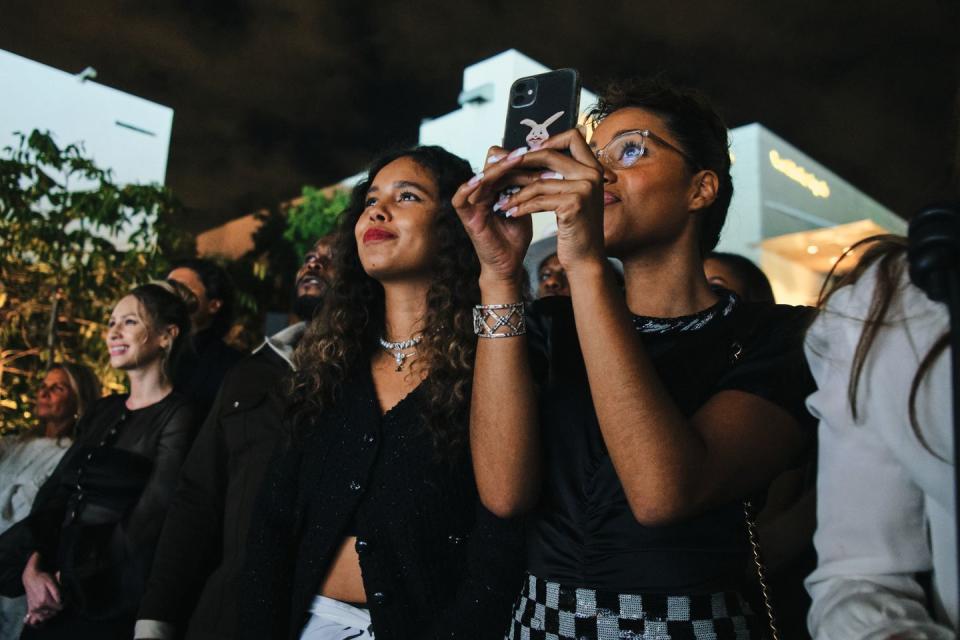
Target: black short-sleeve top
x=582 y=532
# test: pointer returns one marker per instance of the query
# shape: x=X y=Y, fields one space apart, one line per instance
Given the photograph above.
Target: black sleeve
x=266 y=588
x=771 y=362
x=139 y=531
x=190 y=539
x=492 y=582
x=16 y=545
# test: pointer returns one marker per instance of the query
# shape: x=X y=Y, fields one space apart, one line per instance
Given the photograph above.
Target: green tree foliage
x=314 y=216
x=61 y=266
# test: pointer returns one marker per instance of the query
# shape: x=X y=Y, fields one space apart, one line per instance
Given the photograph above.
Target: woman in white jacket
x=885 y=512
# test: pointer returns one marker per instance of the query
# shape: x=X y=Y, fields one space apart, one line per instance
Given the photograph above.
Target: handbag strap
x=760 y=566
x=736 y=353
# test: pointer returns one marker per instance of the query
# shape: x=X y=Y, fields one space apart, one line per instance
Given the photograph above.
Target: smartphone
x=540 y=106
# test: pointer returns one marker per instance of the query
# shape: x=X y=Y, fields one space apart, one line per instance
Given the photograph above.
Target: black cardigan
x=435 y=563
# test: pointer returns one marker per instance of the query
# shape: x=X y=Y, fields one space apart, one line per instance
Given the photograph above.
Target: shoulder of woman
x=178 y=399
x=180 y=407
x=850 y=305
x=105 y=406
x=775 y=323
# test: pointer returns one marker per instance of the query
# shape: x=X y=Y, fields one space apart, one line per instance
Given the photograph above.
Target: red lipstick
x=377 y=235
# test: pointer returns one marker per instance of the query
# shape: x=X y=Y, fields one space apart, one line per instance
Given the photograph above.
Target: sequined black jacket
x=435 y=563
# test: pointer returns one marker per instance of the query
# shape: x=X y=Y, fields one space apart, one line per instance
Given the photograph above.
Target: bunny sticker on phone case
x=538 y=132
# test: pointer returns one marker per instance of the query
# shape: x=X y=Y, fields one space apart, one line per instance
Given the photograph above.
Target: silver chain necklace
x=397 y=349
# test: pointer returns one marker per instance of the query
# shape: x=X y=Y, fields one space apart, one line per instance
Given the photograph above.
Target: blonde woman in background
x=68 y=390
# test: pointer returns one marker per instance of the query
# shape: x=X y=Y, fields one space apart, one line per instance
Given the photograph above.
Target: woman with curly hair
x=369 y=522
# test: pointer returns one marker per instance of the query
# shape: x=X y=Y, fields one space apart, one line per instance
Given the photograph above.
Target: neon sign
x=798 y=174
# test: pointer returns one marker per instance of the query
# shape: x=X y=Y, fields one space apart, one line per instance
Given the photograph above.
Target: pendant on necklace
x=396 y=349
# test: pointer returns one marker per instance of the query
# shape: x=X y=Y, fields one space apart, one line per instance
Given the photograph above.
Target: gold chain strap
x=761 y=568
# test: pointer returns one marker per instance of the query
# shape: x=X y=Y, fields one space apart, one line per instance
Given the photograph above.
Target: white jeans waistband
x=335 y=620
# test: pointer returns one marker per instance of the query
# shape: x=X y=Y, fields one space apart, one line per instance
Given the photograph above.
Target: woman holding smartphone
x=632 y=428
x=369 y=523
x=83 y=553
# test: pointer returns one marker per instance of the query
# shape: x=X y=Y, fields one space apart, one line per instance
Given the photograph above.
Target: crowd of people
x=643 y=451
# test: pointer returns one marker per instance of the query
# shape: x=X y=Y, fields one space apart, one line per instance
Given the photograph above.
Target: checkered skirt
x=551 y=611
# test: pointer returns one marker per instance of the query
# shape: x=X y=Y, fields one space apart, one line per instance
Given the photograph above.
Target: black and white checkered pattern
x=550 y=611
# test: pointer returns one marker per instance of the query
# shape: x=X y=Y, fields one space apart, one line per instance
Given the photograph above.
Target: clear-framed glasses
x=626 y=149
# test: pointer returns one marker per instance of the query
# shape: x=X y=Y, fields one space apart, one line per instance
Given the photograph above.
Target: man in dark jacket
x=201 y=371
x=190 y=593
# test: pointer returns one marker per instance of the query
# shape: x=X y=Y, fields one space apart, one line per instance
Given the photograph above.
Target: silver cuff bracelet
x=490 y=319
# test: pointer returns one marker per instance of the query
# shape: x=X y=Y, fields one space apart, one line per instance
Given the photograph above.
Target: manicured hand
x=572 y=186
x=500 y=242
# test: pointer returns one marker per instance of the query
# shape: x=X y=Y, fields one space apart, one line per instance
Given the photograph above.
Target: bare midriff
x=343 y=581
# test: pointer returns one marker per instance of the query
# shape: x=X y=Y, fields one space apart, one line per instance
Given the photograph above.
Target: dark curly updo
x=344 y=334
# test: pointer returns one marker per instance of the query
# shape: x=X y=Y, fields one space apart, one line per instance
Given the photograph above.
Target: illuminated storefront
x=792 y=215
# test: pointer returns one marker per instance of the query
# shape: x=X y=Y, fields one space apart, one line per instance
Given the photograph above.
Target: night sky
x=271 y=95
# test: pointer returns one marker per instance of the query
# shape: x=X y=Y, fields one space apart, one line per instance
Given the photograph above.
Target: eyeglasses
x=626 y=149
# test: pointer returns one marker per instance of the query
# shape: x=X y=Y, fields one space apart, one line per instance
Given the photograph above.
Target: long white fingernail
x=511 y=212
x=551 y=175
x=475 y=179
x=499 y=203
x=494 y=159
x=516 y=153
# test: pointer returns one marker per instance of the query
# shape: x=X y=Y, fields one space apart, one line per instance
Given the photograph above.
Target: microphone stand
x=934 y=258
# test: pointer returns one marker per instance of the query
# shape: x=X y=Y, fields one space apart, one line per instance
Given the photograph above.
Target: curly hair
x=344 y=333
x=696 y=126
